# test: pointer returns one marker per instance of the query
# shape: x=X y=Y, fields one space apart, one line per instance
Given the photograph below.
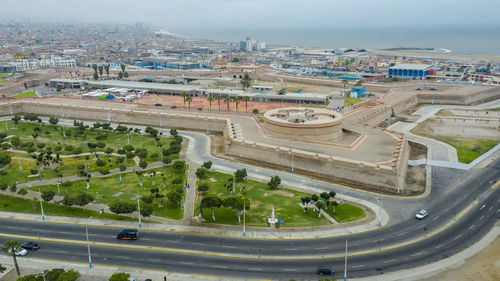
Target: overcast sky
x=255 y=14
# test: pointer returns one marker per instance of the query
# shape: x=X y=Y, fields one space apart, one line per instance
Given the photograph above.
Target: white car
x=19 y=252
x=421 y=215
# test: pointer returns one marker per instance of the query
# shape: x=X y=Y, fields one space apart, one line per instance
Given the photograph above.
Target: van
x=128 y=234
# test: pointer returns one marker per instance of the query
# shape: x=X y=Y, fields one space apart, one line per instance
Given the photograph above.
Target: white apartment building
x=55 y=62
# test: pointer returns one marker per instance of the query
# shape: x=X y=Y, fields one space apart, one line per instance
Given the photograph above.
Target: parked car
x=325 y=270
x=131 y=234
x=19 y=252
x=421 y=214
x=31 y=246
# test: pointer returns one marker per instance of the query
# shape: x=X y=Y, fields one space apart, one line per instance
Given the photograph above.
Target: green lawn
x=25 y=94
x=468 y=150
x=496 y=109
x=21 y=205
x=346 y=212
x=3 y=81
x=3 y=75
x=352 y=101
x=67 y=167
x=52 y=136
x=262 y=199
x=109 y=186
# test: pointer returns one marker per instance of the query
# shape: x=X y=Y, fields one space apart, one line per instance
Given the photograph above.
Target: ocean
x=467 y=40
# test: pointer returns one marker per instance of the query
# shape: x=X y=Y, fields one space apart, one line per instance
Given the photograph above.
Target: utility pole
x=88 y=245
x=139 y=209
x=379 y=211
x=41 y=205
x=20 y=167
x=97 y=198
x=292 y=163
x=234 y=185
x=345 y=263
x=244 y=217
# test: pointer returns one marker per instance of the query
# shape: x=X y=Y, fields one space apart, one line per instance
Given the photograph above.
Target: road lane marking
x=188 y=263
x=437 y=247
x=146 y=239
x=354 y=244
x=220 y=266
x=323 y=248
x=481 y=217
x=421 y=226
x=498 y=210
x=123 y=257
x=417 y=254
x=255 y=269
x=291 y=249
x=460 y=235
x=63 y=252
x=491 y=208
x=289 y=269
x=401 y=234
x=482 y=207
x=356 y=266
x=231 y=247
x=470 y=227
x=437 y=217
x=387 y=261
x=155 y=260
x=199 y=244
x=171 y=241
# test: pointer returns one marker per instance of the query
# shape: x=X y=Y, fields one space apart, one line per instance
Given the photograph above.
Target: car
x=19 y=252
x=421 y=214
x=31 y=246
x=325 y=270
x=131 y=234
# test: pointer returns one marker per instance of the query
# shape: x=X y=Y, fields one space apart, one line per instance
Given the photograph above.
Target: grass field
x=468 y=150
x=3 y=75
x=3 y=81
x=109 y=186
x=262 y=199
x=27 y=206
x=352 y=101
x=25 y=94
x=52 y=135
x=346 y=213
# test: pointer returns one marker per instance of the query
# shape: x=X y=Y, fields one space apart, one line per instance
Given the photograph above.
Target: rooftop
x=411 y=66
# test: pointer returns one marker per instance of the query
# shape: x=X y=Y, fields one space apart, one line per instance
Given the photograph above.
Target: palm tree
x=227 y=100
x=359 y=83
x=12 y=246
x=94 y=67
x=189 y=99
x=246 y=99
x=100 y=70
x=344 y=82
x=106 y=68
x=236 y=102
x=218 y=98
x=184 y=95
x=123 y=68
x=210 y=99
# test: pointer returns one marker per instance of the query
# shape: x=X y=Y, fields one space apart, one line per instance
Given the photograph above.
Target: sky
x=256 y=14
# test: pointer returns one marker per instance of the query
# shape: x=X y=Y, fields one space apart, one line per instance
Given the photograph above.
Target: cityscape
x=197 y=141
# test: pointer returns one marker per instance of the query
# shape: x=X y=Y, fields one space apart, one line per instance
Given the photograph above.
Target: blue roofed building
x=409 y=71
x=358 y=92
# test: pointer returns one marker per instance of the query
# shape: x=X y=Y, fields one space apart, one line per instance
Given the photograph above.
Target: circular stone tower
x=302 y=123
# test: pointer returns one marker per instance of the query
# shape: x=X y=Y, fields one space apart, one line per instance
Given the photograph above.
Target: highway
x=453 y=191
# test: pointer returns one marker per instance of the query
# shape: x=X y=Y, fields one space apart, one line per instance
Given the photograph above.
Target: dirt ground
x=484 y=266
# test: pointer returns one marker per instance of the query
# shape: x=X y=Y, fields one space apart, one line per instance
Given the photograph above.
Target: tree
x=184 y=95
x=53 y=120
x=146 y=210
x=173 y=132
x=189 y=99
x=2 y=268
x=95 y=76
x=82 y=199
x=70 y=275
x=123 y=207
x=201 y=172
x=345 y=82
x=120 y=75
x=359 y=83
x=106 y=68
x=10 y=249
x=179 y=165
x=119 y=276
x=123 y=68
x=210 y=99
x=139 y=175
x=48 y=195
x=94 y=67
x=237 y=203
x=246 y=99
x=211 y=200
x=325 y=196
x=100 y=162
x=227 y=100
x=100 y=68
x=320 y=205
x=175 y=197
x=143 y=163
x=16 y=119
x=246 y=82
x=240 y=175
x=236 y=102
x=125 y=74
x=207 y=165
x=274 y=182
x=4 y=159
x=218 y=98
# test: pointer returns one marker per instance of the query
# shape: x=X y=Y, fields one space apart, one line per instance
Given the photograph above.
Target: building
x=30 y=64
x=409 y=71
x=251 y=45
x=358 y=92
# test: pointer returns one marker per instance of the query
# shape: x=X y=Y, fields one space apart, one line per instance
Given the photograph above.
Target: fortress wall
x=488 y=113
x=475 y=122
x=383 y=176
x=477 y=97
x=325 y=165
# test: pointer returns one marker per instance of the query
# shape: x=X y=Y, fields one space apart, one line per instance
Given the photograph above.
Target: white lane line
x=231 y=247
x=291 y=249
x=199 y=244
x=460 y=235
x=12 y=227
x=421 y=226
x=491 y=208
x=220 y=266
x=401 y=234
x=437 y=247
x=155 y=260
x=470 y=227
x=498 y=200
x=481 y=217
x=123 y=257
x=147 y=239
x=354 y=244
x=255 y=269
x=435 y=218
x=498 y=210
x=387 y=261
x=63 y=252
x=482 y=207
x=324 y=248
x=289 y=269
x=446 y=211
x=417 y=254
x=360 y=265
x=188 y=263
x=171 y=241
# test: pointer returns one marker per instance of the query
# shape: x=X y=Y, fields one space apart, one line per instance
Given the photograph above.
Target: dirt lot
x=484 y=266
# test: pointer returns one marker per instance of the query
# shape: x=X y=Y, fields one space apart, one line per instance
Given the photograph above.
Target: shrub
x=179 y=165
x=274 y=182
x=123 y=207
x=70 y=275
x=48 y=195
x=33 y=171
x=201 y=173
x=207 y=165
x=13 y=188
x=4 y=159
x=22 y=192
x=255 y=111
x=203 y=187
x=177 y=180
x=119 y=276
x=104 y=171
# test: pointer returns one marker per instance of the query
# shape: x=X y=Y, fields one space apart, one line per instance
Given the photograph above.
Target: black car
x=325 y=270
x=131 y=234
x=32 y=246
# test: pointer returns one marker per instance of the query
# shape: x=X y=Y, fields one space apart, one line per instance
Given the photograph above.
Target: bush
x=143 y=164
x=179 y=165
x=22 y=192
x=201 y=173
x=119 y=276
x=255 y=111
x=207 y=165
x=203 y=187
x=48 y=195
x=104 y=171
x=4 y=159
x=70 y=275
x=146 y=210
x=122 y=208
x=177 y=180
x=147 y=199
x=76 y=150
x=100 y=162
x=33 y=171
x=13 y=188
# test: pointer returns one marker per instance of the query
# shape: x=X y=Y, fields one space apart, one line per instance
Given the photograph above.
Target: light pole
x=215 y=146
x=292 y=163
x=244 y=232
x=58 y=191
x=345 y=262
x=41 y=204
x=6 y=127
x=120 y=172
x=139 y=209
x=20 y=167
x=379 y=211
x=234 y=185
x=97 y=198
x=88 y=244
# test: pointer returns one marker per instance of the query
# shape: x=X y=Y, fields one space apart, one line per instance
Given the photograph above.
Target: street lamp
x=97 y=198
x=244 y=207
x=20 y=167
x=345 y=263
x=41 y=204
x=380 y=211
x=88 y=244
x=139 y=210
